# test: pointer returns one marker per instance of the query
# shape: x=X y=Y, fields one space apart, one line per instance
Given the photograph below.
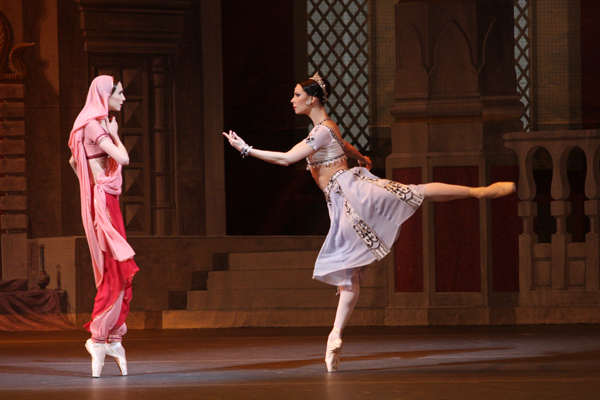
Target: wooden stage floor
x=507 y=362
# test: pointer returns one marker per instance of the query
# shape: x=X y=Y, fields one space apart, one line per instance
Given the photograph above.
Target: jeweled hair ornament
x=321 y=83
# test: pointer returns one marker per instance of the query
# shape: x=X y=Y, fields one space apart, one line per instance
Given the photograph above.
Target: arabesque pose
x=366 y=212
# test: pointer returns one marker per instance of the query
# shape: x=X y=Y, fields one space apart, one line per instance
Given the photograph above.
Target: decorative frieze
x=128 y=26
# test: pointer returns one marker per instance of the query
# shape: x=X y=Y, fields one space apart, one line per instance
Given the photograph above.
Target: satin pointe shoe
x=332 y=355
x=98 y=352
x=116 y=350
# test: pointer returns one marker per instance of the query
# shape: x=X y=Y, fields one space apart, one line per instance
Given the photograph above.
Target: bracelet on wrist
x=245 y=151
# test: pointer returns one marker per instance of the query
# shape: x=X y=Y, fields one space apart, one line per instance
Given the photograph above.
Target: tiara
x=321 y=83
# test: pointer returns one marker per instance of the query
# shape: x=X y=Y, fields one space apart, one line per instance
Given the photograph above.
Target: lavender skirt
x=366 y=214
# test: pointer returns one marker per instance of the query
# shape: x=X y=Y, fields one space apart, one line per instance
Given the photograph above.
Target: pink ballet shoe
x=332 y=355
x=116 y=350
x=98 y=352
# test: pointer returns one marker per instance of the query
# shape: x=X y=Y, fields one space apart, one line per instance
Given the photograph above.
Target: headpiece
x=321 y=83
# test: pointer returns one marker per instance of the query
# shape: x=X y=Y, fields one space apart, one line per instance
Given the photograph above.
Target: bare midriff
x=95 y=166
x=323 y=174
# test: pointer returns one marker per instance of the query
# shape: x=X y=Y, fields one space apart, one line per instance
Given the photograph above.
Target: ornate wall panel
x=113 y=31
x=338 y=47
x=523 y=57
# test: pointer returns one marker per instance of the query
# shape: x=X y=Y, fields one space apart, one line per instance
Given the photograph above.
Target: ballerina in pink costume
x=97 y=158
x=366 y=212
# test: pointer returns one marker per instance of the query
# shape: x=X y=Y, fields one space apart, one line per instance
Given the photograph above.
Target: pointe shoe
x=98 y=352
x=116 y=350
x=332 y=354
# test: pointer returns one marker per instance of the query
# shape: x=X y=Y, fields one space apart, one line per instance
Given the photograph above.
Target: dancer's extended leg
x=444 y=192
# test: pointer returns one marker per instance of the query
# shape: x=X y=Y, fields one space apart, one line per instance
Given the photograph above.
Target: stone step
x=279 y=279
x=266 y=260
x=278 y=298
x=281 y=318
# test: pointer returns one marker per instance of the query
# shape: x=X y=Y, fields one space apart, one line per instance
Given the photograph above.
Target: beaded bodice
x=329 y=148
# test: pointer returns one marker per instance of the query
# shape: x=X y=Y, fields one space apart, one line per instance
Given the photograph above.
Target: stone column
x=455 y=95
x=163 y=215
x=212 y=64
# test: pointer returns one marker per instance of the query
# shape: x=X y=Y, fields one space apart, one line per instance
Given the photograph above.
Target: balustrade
x=564 y=269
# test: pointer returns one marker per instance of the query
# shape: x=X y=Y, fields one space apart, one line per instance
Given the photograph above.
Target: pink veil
x=100 y=233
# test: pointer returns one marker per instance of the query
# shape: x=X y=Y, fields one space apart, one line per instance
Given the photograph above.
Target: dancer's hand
x=366 y=163
x=112 y=127
x=234 y=140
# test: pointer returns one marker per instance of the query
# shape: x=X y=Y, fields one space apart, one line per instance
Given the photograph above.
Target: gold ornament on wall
x=18 y=70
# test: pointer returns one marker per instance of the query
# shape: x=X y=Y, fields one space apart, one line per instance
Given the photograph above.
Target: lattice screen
x=338 y=47
x=522 y=10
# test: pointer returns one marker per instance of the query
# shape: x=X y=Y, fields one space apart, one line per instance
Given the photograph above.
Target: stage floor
x=523 y=362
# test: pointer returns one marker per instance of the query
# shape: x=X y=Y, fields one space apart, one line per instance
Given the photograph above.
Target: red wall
x=457 y=255
x=408 y=249
x=590 y=62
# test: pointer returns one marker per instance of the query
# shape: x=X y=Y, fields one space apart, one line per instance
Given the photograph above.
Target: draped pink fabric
x=100 y=233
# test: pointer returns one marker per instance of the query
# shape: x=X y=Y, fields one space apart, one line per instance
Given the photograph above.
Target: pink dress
x=112 y=257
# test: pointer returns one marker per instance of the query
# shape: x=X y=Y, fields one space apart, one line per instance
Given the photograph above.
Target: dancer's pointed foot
x=116 y=350
x=332 y=355
x=98 y=352
x=495 y=190
x=334 y=348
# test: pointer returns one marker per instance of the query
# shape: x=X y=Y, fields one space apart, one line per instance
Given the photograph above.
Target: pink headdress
x=101 y=235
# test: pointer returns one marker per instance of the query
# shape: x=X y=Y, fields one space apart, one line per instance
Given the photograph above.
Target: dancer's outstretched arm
x=297 y=153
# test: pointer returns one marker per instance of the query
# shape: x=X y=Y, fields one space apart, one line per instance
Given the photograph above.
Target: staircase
x=270 y=289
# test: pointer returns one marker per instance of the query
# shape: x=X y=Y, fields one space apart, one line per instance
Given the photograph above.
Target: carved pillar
x=455 y=96
x=592 y=210
x=212 y=65
x=560 y=211
x=13 y=183
x=163 y=215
